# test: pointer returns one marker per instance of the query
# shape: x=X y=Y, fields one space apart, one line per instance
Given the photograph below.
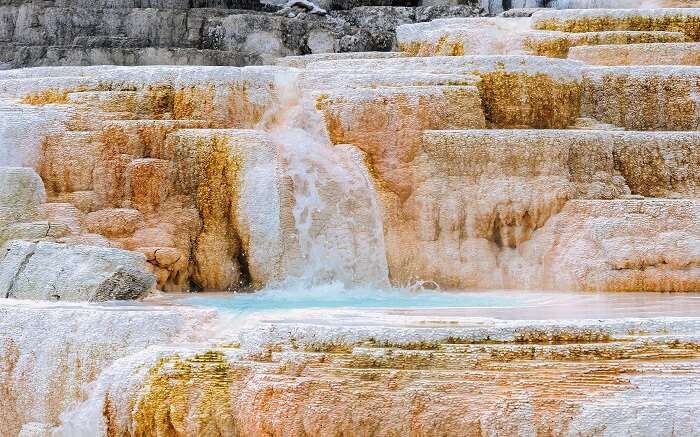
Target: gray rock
x=203 y=32
x=51 y=271
x=493 y=7
x=14 y=257
x=37 y=56
x=520 y=12
x=428 y=13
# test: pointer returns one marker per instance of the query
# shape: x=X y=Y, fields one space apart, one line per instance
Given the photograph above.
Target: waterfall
x=337 y=216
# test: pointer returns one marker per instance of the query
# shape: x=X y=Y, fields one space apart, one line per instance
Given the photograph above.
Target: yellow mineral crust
x=227 y=106
x=443 y=47
x=185 y=397
x=206 y=168
x=541 y=380
x=455 y=42
x=141 y=138
x=516 y=91
x=558 y=44
x=111 y=101
x=410 y=48
x=45 y=97
x=161 y=101
x=639 y=54
x=643 y=98
x=220 y=170
x=516 y=100
x=596 y=20
x=194 y=102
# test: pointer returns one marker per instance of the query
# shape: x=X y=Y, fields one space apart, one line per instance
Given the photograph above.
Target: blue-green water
x=336 y=296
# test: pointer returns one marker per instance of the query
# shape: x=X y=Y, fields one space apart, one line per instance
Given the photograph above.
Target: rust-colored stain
x=45 y=97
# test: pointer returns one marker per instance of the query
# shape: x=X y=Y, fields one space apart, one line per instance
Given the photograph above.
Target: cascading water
x=338 y=226
x=337 y=216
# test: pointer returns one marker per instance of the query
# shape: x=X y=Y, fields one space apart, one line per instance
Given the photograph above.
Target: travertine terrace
x=558 y=152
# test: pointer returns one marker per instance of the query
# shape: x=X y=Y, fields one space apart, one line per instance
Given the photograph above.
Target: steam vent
x=349 y=218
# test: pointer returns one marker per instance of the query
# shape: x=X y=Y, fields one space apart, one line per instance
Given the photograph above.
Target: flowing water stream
x=337 y=216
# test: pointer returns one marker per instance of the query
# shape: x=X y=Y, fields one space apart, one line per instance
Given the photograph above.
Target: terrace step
x=531 y=234
x=655 y=164
x=559 y=44
x=303 y=61
x=143 y=138
x=638 y=54
x=684 y=20
x=481 y=36
x=516 y=91
x=64 y=213
x=643 y=97
x=588 y=123
x=68 y=161
x=387 y=123
x=33 y=231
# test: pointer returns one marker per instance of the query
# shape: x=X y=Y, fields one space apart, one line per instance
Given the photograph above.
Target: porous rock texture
x=216 y=174
x=209 y=203
x=177 y=371
x=21 y=193
x=458 y=387
x=479 y=201
x=638 y=54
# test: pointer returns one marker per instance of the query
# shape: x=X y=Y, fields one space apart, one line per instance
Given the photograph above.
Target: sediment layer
x=463 y=376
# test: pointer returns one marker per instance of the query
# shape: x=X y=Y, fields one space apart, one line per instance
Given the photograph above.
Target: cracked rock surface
x=53 y=271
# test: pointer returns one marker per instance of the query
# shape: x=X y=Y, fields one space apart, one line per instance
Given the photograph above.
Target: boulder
x=47 y=270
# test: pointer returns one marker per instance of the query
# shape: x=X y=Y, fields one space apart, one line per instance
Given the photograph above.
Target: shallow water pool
x=502 y=304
